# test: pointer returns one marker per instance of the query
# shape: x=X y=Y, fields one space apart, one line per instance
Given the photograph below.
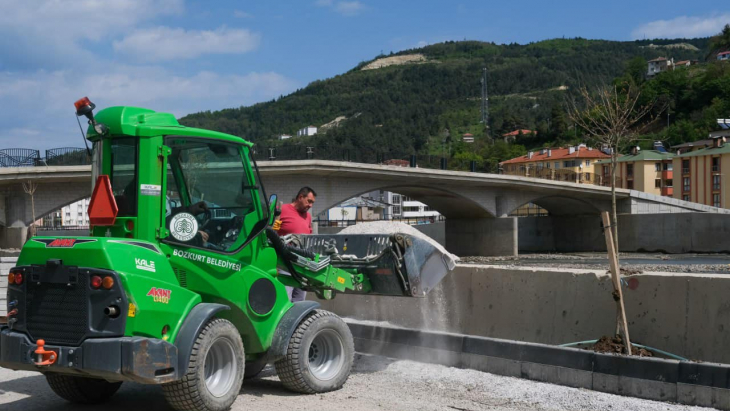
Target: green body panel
x=140 y=270
x=141 y=122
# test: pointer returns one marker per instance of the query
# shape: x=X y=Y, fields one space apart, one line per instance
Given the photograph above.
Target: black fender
x=286 y=327
x=191 y=328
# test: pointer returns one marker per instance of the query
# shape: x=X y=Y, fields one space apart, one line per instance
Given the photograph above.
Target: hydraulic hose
x=286 y=253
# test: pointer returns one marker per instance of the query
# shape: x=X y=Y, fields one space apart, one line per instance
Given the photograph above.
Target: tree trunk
x=614 y=214
x=32 y=208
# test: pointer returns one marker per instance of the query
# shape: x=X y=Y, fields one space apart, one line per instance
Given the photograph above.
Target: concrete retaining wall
x=482 y=236
x=687 y=315
x=670 y=233
x=682 y=382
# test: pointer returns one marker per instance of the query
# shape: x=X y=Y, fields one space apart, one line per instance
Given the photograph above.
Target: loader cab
x=182 y=187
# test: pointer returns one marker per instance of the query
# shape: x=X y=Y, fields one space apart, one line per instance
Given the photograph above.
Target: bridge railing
x=19 y=157
x=26 y=157
x=67 y=156
x=372 y=156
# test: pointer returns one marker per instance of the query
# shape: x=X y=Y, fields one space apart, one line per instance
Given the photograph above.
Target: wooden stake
x=613 y=262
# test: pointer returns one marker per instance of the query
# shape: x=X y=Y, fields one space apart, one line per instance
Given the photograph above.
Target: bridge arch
x=557 y=205
x=448 y=203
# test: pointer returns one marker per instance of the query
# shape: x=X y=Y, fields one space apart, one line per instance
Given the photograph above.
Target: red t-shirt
x=294 y=222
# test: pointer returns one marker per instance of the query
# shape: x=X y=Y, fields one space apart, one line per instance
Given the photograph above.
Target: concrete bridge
x=476 y=205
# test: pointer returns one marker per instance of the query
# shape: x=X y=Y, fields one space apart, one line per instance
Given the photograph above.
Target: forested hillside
x=424 y=107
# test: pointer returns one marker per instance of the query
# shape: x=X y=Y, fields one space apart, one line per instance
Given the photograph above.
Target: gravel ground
x=634 y=262
x=377 y=383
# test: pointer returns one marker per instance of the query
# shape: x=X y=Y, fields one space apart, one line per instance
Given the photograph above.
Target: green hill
x=407 y=108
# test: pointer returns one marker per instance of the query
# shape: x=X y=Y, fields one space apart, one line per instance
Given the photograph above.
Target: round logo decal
x=183 y=226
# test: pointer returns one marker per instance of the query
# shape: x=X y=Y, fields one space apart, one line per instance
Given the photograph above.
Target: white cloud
x=348 y=8
x=164 y=43
x=47 y=33
x=40 y=104
x=73 y=20
x=682 y=26
x=242 y=14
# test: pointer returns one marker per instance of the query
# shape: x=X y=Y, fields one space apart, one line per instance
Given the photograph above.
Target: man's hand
x=204 y=236
x=198 y=208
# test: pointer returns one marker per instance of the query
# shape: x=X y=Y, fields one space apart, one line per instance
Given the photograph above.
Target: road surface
x=377 y=383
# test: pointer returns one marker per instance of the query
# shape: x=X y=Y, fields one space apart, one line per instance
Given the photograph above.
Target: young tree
x=29 y=189
x=612 y=117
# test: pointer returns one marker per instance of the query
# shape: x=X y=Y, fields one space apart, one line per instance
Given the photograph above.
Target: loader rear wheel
x=319 y=356
x=215 y=373
x=82 y=390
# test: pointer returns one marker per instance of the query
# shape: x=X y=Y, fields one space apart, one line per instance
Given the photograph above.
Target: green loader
x=182 y=282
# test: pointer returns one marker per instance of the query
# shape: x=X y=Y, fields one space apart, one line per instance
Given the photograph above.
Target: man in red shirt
x=295 y=219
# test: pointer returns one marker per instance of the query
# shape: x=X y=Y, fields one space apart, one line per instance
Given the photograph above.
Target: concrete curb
x=683 y=382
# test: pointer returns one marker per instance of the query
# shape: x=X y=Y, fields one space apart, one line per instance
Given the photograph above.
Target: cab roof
x=142 y=122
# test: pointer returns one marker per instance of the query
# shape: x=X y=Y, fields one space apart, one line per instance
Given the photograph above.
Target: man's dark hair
x=304 y=191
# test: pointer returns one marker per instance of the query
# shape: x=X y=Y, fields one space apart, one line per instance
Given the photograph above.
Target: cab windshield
x=208 y=181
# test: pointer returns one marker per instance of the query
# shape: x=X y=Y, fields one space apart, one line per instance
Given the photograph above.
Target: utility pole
x=485 y=102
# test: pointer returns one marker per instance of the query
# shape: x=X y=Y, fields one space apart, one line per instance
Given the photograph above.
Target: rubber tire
x=82 y=390
x=190 y=392
x=254 y=368
x=293 y=369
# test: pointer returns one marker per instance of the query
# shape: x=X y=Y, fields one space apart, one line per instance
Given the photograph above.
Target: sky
x=185 y=56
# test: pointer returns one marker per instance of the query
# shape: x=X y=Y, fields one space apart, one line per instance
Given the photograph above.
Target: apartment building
x=650 y=171
x=574 y=164
x=74 y=214
x=700 y=177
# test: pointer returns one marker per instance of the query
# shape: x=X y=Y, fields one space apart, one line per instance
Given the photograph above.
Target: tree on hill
x=404 y=108
x=720 y=42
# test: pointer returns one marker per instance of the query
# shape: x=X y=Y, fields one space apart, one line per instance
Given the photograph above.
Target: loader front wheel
x=215 y=373
x=82 y=390
x=319 y=356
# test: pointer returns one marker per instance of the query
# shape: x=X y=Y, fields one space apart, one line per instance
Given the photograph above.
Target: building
x=356 y=209
x=307 y=131
x=574 y=164
x=468 y=138
x=685 y=63
x=285 y=137
x=724 y=56
x=416 y=210
x=692 y=146
x=650 y=171
x=700 y=176
x=512 y=135
x=380 y=205
x=74 y=214
x=658 y=65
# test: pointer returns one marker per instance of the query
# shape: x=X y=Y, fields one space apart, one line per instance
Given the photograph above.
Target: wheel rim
x=220 y=367
x=326 y=355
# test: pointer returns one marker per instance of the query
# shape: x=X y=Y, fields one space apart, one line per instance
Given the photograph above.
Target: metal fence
x=19 y=157
x=27 y=157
